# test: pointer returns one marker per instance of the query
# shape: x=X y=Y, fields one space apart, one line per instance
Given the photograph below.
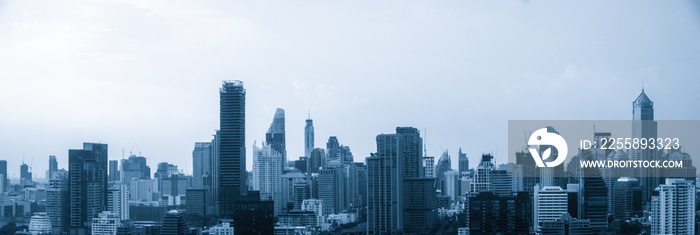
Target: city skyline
x=457 y=91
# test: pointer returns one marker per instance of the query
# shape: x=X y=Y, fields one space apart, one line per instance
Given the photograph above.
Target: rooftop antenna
x=309 y=114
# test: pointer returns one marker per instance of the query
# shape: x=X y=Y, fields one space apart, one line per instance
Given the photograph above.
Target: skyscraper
x=58 y=203
x=296 y=187
x=644 y=126
x=673 y=210
x=483 y=178
x=118 y=201
x=275 y=135
x=99 y=153
x=231 y=175
x=309 y=137
x=337 y=152
x=114 y=171
x=627 y=199
x=201 y=162
x=594 y=199
x=429 y=167
x=316 y=160
x=134 y=168
x=549 y=204
x=25 y=177
x=267 y=170
x=393 y=174
x=463 y=161
x=88 y=194
x=3 y=176
x=331 y=189
x=53 y=166
x=444 y=164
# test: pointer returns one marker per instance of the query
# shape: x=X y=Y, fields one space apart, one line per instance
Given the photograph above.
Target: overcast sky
x=148 y=72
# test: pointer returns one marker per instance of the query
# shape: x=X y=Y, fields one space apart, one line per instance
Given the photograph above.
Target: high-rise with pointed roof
x=309 y=137
x=644 y=126
x=463 y=161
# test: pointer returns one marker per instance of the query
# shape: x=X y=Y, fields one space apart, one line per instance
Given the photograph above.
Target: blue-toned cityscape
x=399 y=189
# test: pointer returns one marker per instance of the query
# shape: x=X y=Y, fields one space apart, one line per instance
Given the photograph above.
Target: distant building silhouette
x=463 y=161
x=135 y=167
x=201 y=162
x=308 y=137
x=114 y=171
x=53 y=167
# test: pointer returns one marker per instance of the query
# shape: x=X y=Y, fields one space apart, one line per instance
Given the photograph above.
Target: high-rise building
x=316 y=160
x=357 y=185
x=483 y=178
x=429 y=167
x=53 y=167
x=118 y=201
x=165 y=169
x=196 y=201
x=3 y=176
x=501 y=182
x=491 y=214
x=550 y=202
x=134 y=168
x=463 y=161
x=201 y=162
x=391 y=173
x=444 y=164
x=174 y=189
x=100 y=154
x=296 y=187
x=673 y=210
x=337 y=152
x=87 y=185
x=452 y=185
x=627 y=199
x=644 y=126
x=174 y=224
x=315 y=205
x=594 y=199
x=411 y=152
x=308 y=137
x=267 y=169
x=231 y=175
x=420 y=213
x=106 y=223
x=142 y=189
x=275 y=135
x=114 y=171
x=331 y=189
x=213 y=197
x=58 y=203
x=25 y=177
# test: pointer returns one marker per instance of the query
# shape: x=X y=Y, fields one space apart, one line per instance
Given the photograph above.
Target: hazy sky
x=148 y=72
